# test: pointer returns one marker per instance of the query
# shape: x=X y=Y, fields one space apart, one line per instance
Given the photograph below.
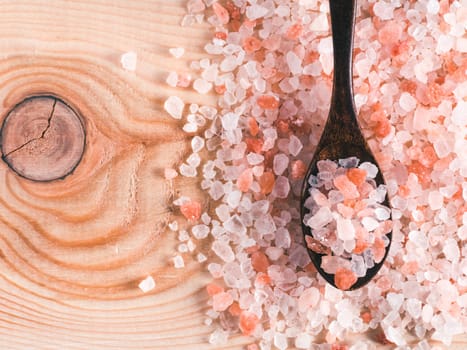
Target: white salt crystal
x=295 y=145
x=190 y=127
x=435 y=200
x=320 y=23
x=321 y=218
x=200 y=231
x=200 y=257
x=274 y=253
x=219 y=337
x=407 y=102
x=369 y=223
x=383 y=10
x=451 y=250
x=254 y=158
x=128 y=61
x=194 y=160
x=281 y=187
x=197 y=143
x=280 y=341
x=147 y=284
x=382 y=213
x=294 y=62
x=432 y=6
x=178 y=262
x=282 y=238
x=303 y=341
x=280 y=163
x=255 y=11
x=444 y=44
x=233 y=198
x=345 y=229
x=235 y=225
x=395 y=300
x=370 y=168
x=394 y=335
x=461 y=44
x=177 y=52
x=230 y=121
x=174 y=106
x=172 y=79
x=202 y=86
x=223 y=250
x=459 y=114
x=187 y=171
x=414 y=307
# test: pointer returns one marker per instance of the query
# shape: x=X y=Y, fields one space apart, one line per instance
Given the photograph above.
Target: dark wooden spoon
x=341 y=137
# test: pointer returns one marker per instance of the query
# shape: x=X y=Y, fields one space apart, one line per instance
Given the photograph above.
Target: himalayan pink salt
x=251 y=44
x=390 y=33
x=221 y=13
x=221 y=301
x=298 y=169
x=266 y=182
x=294 y=31
x=259 y=261
x=245 y=180
x=267 y=102
x=191 y=210
x=344 y=278
x=248 y=322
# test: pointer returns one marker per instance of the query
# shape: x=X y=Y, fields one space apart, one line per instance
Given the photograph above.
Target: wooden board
x=73 y=251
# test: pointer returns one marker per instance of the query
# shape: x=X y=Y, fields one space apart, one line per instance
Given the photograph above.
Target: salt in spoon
x=341 y=137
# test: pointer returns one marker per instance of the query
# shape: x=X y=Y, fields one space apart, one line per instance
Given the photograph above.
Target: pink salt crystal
x=281 y=187
x=390 y=33
x=267 y=102
x=248 y=322
x=221 y=301
x=308 y=299
x=195 y=6
x=184 y=80
x=252 y=347
x=294 y=31
x=245 y=180
x=344 y=278
x=251 y=44
x=191 y=210
x=298 y=169
x=170 y=173
x=221 y=13
x=379 y=250
x=346 y=187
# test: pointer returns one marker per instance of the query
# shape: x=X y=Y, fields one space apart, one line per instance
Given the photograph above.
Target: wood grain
x=73 y=251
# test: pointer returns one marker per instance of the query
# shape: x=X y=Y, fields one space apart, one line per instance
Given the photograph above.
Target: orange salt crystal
x=306 y=81
x=337 y=346
x=282 y=126
x=235 y=309
x=221 y=301
x=233 y=9
x=429 y=157
x=356 y=175
x=221 y=13
x=360 y=246
x=403 y=191
x=251 y=44
x=220 y=35
x=408 y=86
x=213 y=289
x=409 y=268
x=191 y=210
x=251 y=249
x=298 y=169
x=382 y=128
x=344 y=278
x=366 y=316
x=259 y=261
x=266 y=182
x=254 y=145
x=294 y=31
x=220 y=89
x=245 y=180
x=435 y=93
x=263 y=279
x=310 y=268
x=253 y=127
x=379 y=250
x=346 y=187
x=267 y=102
x=384 y=283
x=422 y=172
x=248 y=322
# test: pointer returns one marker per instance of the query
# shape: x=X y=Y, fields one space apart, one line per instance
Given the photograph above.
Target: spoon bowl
x=341 y=137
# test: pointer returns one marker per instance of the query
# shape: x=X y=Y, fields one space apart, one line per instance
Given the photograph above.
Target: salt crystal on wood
x=177 y=52
x=147 y=284
x=128 y=61
x=178 y=262
x=174 y=106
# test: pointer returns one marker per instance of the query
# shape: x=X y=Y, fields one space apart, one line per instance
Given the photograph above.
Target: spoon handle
x=342 y=21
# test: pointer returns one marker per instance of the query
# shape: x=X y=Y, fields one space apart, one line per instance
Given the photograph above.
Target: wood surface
x=73 y=251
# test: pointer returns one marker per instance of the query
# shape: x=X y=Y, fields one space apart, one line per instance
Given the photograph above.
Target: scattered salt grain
x=174 y=106
x=147 y=284
x=128 y=61
x=178 y=262
x=177 y=52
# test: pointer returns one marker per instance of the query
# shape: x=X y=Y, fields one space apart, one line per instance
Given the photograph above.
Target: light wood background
x=72 y=252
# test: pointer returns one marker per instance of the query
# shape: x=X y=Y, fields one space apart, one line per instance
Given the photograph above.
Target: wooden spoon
x=341 y=137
